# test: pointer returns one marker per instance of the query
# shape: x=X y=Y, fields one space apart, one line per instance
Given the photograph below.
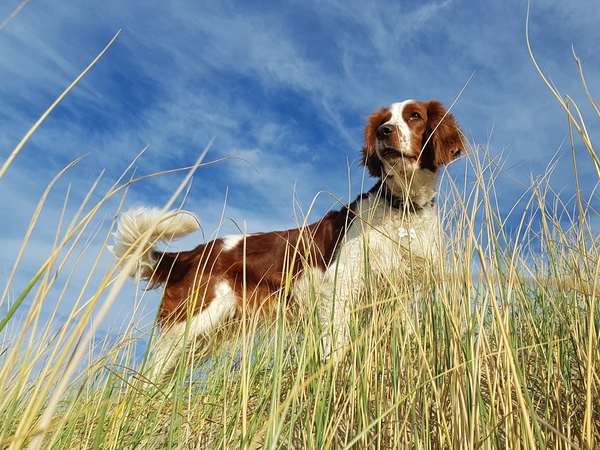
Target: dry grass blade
x=577 y=120
x=79 y=351
x=32 y=130
x=13 y=14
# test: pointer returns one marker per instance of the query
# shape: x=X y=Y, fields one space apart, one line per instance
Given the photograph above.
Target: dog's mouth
x=390 y=153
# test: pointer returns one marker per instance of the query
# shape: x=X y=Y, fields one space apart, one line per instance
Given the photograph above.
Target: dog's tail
x=149 y=226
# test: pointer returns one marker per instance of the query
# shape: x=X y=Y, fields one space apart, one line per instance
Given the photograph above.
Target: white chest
x=383 y=241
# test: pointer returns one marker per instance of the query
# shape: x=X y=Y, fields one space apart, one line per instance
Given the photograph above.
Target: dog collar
x=398 y=202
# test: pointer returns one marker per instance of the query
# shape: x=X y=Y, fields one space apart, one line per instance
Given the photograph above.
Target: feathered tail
x=137 y=224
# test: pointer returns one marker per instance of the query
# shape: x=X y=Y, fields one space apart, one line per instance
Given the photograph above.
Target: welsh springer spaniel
x=396 y=223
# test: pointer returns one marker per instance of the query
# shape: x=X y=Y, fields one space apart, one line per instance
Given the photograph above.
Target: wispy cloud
x=283 y=86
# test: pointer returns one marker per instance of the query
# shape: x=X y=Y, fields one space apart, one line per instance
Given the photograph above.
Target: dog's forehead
x=397 y=108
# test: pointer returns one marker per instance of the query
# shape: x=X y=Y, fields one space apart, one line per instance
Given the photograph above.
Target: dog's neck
x=400 y=203
x=383 y=191
x=415 y=188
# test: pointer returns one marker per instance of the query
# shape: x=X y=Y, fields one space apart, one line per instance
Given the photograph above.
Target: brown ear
x=443 y=134
x=370 y=160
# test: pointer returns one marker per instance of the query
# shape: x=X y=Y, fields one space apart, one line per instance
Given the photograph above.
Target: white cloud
x=284 y=86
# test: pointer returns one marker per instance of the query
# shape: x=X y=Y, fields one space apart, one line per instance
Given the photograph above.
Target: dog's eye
x=415 y=116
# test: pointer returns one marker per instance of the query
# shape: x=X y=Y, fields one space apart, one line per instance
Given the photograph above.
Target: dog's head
x=410 y=136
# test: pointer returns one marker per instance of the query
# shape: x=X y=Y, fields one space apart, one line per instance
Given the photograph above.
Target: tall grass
x=497 y=348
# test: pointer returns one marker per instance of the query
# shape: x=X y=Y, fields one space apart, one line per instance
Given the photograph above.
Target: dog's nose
x=384 y=131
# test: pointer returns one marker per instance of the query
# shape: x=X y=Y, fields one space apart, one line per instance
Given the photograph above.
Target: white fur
x=418 y=186
x=231 y=241
x=397 y=246
x=397 y=120
x=156 y=225
x=171 y=341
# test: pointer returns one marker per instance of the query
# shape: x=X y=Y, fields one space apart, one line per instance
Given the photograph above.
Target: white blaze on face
x=400 y=168
x=401 y=126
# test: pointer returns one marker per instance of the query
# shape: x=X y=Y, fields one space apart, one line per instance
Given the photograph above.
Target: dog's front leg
x=168 y=347
x=336 y=306
x=335 y=317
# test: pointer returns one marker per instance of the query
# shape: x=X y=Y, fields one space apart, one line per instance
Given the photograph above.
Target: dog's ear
x=443 y=134
x=370 y=159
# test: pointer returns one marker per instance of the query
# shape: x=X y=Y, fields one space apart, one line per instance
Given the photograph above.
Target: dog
x=394 y=226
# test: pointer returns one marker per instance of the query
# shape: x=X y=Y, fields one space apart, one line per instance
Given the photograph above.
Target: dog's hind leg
x=174 y=339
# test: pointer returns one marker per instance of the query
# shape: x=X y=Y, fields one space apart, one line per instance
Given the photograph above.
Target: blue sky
x=285 y=86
